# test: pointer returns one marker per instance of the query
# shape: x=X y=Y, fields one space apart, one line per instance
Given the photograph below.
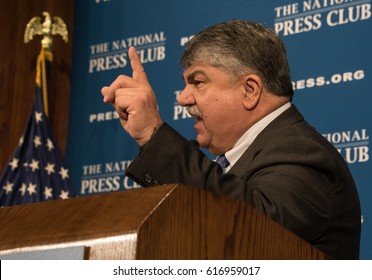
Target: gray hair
x=243 y=47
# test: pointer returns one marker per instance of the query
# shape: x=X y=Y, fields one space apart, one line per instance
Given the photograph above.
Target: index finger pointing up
x=139 y=73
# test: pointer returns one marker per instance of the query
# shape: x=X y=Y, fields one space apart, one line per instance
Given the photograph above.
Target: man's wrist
x=155 y=129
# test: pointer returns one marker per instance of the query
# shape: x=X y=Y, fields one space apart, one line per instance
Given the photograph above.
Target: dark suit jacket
x=290 y=172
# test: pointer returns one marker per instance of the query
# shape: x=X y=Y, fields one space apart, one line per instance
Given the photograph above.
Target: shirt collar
x=248 y=137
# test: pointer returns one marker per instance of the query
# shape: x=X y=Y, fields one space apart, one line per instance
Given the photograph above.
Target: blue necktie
x=223 y=162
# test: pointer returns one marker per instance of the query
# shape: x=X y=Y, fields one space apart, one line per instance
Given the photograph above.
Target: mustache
x=195 y=112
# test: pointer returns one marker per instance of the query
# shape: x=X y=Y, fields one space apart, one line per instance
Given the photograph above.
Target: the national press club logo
x=110 y=55
x=353 y=145
x=105 y=177
x=310 y=15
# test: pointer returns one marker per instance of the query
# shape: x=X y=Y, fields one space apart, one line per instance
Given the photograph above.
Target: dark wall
x=17 y=71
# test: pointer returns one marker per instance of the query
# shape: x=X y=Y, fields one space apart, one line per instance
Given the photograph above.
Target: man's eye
x=197 y=83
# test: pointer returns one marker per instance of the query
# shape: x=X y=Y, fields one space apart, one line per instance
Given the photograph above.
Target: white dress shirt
x=248 y=137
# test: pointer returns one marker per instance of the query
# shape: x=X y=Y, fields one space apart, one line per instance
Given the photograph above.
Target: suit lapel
x=269 y=134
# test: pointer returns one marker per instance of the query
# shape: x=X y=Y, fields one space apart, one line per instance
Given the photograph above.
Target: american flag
x=36 y=171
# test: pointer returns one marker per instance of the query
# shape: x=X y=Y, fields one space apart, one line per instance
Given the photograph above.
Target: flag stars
x=49 y=168
x=50 y=145
x=23 y=189
x=8 y=187
x=38 y=117
x=64 y=173
x=64 y=194
x=34 y=165
x=48 y=193
x=31 y=188
x=14 y=163
x=34 y=172
x=37 y=141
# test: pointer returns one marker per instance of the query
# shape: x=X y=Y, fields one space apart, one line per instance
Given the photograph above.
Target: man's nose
x=186 y=98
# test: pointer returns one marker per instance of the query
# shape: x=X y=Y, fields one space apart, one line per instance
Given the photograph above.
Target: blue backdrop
x=328 y=43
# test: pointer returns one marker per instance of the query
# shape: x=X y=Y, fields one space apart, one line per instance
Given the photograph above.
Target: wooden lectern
x=164 y=222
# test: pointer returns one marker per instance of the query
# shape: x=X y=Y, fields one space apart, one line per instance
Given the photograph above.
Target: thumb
x=139 y=73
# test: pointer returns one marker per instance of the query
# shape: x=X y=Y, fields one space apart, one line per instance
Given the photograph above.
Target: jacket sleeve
x=170 y=158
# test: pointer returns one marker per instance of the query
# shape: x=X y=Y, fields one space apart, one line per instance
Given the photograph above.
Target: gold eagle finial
x=47 y=29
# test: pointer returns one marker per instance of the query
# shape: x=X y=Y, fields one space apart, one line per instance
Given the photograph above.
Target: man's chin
x=202 y=141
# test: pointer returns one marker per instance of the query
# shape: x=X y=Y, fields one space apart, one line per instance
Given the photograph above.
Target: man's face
x=215 y=100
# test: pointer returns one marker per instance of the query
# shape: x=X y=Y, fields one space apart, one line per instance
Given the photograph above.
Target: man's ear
x=253 y=90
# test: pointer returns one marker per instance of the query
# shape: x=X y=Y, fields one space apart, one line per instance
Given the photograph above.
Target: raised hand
x=135 y=101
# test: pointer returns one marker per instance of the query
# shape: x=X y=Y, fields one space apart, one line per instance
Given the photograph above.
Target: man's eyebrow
x=190 y=78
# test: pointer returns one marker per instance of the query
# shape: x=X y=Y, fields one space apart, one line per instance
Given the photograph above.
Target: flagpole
x=41 y=78
x=47 y=29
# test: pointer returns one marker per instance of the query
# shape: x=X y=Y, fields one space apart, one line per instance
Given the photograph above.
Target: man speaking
x=238 y=89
